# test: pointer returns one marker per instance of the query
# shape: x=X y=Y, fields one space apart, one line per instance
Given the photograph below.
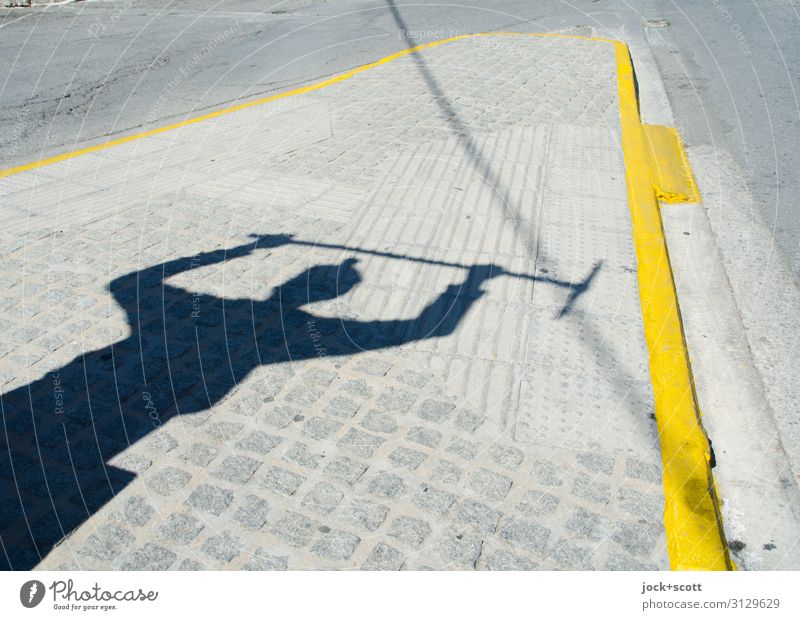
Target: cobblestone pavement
x=431 y=355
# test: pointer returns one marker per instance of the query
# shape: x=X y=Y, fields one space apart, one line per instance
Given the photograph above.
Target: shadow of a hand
x=480 y=273
x=270 y=241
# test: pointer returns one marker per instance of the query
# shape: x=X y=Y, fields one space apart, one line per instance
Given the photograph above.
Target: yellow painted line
x=673 y=179
x=692 y=519
x=241 y=106
x=257 y=102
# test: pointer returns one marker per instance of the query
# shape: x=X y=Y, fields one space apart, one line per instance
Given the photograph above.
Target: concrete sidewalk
x=431 y=356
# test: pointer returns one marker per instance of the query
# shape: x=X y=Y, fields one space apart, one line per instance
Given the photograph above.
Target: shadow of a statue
x=184 y=354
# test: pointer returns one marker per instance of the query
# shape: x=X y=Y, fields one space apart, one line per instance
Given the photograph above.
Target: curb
x=692 y=516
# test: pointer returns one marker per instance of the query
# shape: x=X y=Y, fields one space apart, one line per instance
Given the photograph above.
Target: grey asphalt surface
x=77 y=73
x=731 y=74
x=94 y=69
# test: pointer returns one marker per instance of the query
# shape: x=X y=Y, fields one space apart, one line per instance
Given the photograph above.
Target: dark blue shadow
x=184 y=354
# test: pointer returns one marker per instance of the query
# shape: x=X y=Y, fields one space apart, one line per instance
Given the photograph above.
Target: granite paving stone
x=150 y=557
x=526 y=534
x=366 y=514
x=168 y=480
x=181 y=528
x=480 y=515
x=258 y=442
x=236 y=469
x=210 y=499
x=360 y=443
x=345 y=470
x=504 y=560
x=336 y=545
x=223 y=547
x=460 y=549
x=383 y=557
x=431 y=499
x=387 y=485
x=263 y=560
x=323 y=498
x=282 y=480
x=538 y=503
x=490 y=484
x=252 y=512
x=410 y=530
x=137 y=511
x=407 y=458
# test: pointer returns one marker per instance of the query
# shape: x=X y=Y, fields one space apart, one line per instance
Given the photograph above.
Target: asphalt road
x=73 y=74
x=730 y=69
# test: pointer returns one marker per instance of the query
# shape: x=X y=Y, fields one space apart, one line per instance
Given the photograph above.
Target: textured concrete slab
x=431 y=356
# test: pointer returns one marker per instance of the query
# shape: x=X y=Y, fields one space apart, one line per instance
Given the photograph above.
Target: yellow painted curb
x=673 y=179
x=692 y=519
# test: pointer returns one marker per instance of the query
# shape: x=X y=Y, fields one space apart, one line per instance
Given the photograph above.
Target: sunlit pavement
x=391 y=323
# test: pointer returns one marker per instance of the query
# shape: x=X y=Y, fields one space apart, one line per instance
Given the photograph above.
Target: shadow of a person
x=184 y=354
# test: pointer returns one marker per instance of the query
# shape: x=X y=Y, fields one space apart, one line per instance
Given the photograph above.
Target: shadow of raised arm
x=439 y=318
x=124 y=287
x=442 y=316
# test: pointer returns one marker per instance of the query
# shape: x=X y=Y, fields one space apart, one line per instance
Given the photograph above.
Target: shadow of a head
x=321 y=283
